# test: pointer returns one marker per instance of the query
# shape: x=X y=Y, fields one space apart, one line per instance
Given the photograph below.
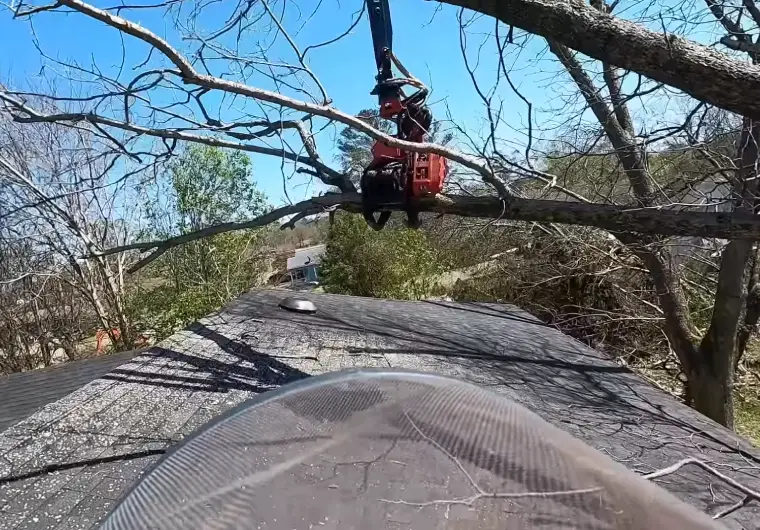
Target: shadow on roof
x=259 y=372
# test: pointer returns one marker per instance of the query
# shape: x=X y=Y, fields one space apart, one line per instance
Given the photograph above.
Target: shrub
x=392 y=263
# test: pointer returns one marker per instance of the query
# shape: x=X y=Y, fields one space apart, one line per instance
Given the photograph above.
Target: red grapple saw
x=396 y=177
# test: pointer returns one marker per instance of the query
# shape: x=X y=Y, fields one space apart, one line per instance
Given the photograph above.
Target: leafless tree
x=39 y=313
x=709 y=361
x=61 y=200
x=620 y=168
x=135 y=109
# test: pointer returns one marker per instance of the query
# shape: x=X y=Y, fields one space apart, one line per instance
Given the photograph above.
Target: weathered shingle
x=65 y=466
x=24 y=393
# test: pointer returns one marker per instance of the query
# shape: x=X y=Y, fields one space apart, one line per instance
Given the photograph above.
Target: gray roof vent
x=298 y=305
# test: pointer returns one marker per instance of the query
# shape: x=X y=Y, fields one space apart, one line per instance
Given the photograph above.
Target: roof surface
x=65 y=466
x=24 y=393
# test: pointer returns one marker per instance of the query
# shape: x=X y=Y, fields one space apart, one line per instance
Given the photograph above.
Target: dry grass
x=747 y=402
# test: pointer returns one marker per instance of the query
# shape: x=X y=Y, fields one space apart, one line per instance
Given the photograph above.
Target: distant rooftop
x=65 y=466
x=303 y=257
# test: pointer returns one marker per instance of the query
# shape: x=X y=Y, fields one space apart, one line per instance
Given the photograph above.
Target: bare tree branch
x=325 y=99
x=693 y=461
x=192 y=77
x=328 y=175
x=751 y=6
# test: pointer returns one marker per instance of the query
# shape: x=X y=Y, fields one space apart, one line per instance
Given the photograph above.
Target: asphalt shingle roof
x=24 y=393
x=66 y=465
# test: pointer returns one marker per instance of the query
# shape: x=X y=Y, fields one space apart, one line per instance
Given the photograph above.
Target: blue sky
x=430 y=50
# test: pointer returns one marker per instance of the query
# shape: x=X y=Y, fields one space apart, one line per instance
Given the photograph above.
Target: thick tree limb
x=706 y=74
x=607 y=217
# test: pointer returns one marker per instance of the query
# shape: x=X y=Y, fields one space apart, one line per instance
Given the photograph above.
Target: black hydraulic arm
x=382 y=37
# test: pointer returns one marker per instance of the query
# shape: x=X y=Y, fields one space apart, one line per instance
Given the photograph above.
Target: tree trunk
x=125 y=339
x=715 y=370
x=709 y=368
x=712 y=392
x=718 y=350
x=748 y=154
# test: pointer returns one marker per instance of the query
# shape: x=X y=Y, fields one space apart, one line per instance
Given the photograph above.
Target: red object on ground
x=103 y=334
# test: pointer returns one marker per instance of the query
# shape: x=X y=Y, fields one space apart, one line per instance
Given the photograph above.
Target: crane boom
x=382 y=36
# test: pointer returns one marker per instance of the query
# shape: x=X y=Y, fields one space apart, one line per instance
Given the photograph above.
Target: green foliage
x=214 y=186
x=164 y=309
x=207 y=186
x=393 y=263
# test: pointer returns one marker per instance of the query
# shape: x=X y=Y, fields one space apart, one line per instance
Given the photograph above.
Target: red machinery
x=397 y=177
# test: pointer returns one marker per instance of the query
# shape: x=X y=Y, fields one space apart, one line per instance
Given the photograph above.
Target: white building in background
x=303 y=266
